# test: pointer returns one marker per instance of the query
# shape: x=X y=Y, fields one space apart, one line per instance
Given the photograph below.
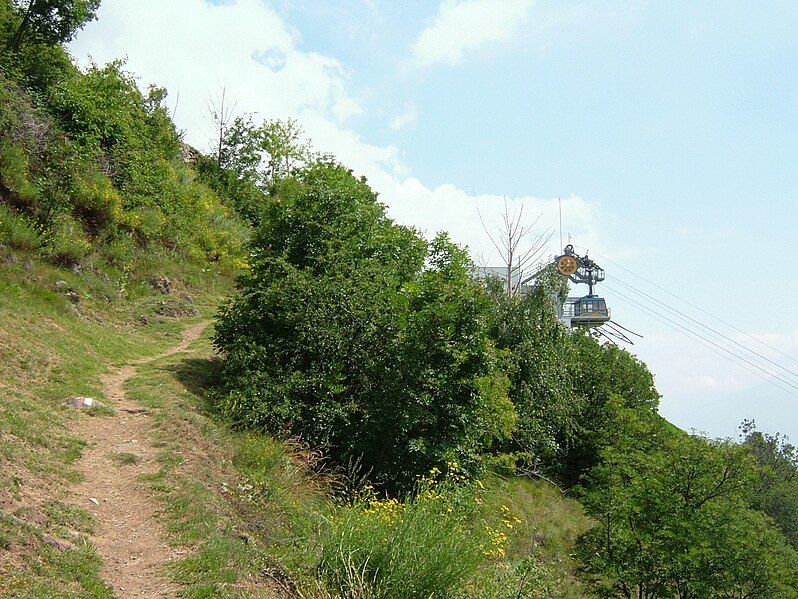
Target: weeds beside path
x=128 y=536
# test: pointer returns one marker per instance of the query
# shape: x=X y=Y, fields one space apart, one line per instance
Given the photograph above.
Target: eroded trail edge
x=128 y=536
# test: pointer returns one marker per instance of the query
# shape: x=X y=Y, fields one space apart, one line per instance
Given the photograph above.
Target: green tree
x=562 y=381
x=776 y=490
x=541 y=369
x=673 y=519
x=51 y=21
x=342 y=335
x=600 y=375
x=250 y=160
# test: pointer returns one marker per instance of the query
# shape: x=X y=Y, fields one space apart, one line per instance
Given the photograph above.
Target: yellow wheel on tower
x=567 y=265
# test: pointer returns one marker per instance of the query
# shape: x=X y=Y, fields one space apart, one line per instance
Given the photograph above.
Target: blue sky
x=669 y=129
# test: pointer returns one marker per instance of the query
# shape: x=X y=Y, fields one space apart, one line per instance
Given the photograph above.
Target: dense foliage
x=90 y=167
x=51 y=21
x=675 y=520
x=358 y=335
x=561 y=382
x=250 y=160
x=775 y=489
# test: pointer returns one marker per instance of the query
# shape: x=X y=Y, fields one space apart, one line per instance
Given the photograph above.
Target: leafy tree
x=130 y=134
x=265 y=154
x=52 y=21
x=250 y=160
x=776 y=490
x=673 y=520
x=341 y=335
x=561 y=381
x=541 y=371
x=602 y=374
x=35 y=64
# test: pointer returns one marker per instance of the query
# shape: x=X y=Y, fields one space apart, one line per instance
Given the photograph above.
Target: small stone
x=162 y=284
x=94 y=501
x=79 y=402
x=60 y=284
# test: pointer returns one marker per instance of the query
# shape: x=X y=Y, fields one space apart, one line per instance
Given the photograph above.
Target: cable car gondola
x=587 y=311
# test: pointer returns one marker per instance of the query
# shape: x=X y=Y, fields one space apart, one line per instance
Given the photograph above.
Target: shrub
x=66 y=243
x=15 y=185
x=426 y=546
x=18 y=231
x=120 y=251
x=342 y=335
x=145 y=222
x=96 y=202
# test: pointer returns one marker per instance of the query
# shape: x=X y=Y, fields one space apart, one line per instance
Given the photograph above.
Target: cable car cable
x=610 y=328
x=753 y=369
x=713 y=346
x=700 y=309
x=627 y=330
x=707 y=327
x=748 y=355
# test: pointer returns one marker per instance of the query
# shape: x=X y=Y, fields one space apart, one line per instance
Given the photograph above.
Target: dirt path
x=128 y=537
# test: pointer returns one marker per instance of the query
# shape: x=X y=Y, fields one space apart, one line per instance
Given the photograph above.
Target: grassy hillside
x=246 y=510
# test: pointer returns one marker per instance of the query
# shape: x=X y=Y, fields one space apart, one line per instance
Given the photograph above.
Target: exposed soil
x=128 y=535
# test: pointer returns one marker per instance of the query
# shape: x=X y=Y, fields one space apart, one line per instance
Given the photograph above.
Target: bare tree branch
x=511 y=233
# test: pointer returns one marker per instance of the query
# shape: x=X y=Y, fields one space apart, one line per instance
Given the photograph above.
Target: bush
x=120 y=251
x=15 y=185
x=426 y=546
x=96 y=202
x=67 y=243
x=342 y=335
x=96 y=161
x=18 y=231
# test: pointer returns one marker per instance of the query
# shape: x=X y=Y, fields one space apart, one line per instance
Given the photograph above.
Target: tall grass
x=426 y=546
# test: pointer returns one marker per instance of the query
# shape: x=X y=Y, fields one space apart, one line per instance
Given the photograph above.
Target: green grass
x=540 y=545
x=52 y=348
x=58 y=575
x=245 y=510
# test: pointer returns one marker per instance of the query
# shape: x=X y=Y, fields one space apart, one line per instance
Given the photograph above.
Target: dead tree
x=508 y=242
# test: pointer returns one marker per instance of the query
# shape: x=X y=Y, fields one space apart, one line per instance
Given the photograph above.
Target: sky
x=658 y=137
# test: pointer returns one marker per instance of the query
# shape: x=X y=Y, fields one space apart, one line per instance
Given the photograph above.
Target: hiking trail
x=128 y=536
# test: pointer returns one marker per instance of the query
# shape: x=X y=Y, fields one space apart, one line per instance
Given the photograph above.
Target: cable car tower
x=590 y=310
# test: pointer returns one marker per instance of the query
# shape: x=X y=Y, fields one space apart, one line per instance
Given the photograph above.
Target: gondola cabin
x=588 y=311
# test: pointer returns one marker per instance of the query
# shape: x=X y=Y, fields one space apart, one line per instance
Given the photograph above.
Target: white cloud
x=408 y=117
x=466 y=216
x=195 y=49
x=463 y=25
